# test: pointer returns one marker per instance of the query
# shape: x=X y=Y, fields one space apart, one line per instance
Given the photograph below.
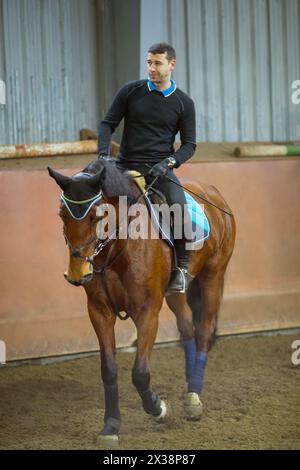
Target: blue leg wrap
x=190 y=357
x=197 y=378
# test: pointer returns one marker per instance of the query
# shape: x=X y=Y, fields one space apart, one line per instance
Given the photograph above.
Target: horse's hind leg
x=181 y=307
x=211 y=284
x=204 y=299
x=146 y=324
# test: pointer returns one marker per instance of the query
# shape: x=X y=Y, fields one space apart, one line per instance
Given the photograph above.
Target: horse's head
x=81 y=194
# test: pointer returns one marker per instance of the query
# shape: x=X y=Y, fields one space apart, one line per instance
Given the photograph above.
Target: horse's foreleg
x=146 y=324
x=103 y=321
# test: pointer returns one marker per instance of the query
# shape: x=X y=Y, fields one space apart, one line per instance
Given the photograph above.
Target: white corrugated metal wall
x=48 y=60
x=118 y=28
x=237 y=59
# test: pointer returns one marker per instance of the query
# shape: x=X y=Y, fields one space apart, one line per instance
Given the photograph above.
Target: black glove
x=161 y=168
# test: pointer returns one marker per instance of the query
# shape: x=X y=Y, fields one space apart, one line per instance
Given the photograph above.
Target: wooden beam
x=266 y=150
x=53 y=149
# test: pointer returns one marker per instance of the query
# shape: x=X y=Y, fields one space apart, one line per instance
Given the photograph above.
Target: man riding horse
x=154 y=111
x=132 y=275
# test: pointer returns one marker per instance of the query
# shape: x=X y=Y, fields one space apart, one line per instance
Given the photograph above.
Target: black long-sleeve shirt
x=151 y=123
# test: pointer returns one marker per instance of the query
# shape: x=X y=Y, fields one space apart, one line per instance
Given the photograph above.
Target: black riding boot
x=180 y=276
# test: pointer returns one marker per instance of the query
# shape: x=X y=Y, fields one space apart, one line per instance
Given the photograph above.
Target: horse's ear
x=96 y=179
x=61 y=180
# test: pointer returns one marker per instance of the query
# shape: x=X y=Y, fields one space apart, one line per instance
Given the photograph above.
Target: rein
x=200 y=197
x=181 y=186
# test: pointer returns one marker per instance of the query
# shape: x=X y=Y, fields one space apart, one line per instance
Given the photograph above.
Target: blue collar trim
x=165 y=93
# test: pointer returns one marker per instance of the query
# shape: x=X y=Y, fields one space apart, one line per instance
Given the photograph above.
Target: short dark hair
x=161 y=47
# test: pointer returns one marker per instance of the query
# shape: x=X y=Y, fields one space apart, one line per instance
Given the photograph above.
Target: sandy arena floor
x=251 y=401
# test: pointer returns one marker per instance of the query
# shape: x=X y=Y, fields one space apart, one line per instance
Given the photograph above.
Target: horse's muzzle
x=83 y=280
x=79 y=272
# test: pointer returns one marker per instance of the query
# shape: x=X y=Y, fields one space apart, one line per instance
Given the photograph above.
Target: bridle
x=100 y=245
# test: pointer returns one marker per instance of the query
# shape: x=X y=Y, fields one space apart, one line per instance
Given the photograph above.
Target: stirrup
x=179 y=276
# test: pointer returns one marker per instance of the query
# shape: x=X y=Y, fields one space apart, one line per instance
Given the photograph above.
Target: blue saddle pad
x=200 y=223
x=197 y=215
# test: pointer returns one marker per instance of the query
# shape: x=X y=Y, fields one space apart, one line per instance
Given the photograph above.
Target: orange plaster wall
x=42 y=315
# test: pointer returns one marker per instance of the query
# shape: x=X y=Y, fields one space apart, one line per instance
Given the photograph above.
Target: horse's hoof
x=163 y=411
x=109 y=436
x=107 y=440
x=193 y=406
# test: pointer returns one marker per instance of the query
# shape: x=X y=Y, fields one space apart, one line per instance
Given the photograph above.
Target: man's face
x=159 y=68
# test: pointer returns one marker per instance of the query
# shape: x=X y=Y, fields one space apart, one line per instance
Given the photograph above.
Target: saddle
x=155 y=198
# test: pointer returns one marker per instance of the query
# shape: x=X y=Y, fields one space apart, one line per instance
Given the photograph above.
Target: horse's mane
x=115 y=182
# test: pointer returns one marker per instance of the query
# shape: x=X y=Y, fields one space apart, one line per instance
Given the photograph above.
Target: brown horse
x=131 y=275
